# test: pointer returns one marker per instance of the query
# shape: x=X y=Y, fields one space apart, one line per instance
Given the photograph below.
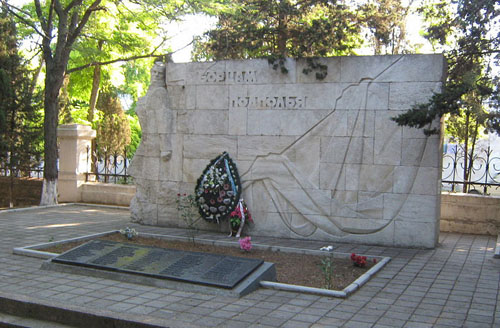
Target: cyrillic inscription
x=229 y=77
x=271 y=102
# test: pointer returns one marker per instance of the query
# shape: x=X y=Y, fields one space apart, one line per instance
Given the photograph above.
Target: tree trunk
x=96 y=81
x=12 y=157
x=95 y=91
x=53 y=82
x=35 y=77
x=473 y=146
x=466 y=151
x=69 y=26
x=11 y=188
x=282 y=32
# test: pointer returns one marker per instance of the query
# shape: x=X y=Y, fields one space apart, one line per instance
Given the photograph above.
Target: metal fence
x=35 y=171
x=482 y=171
x=108 y=168
x=484 y=176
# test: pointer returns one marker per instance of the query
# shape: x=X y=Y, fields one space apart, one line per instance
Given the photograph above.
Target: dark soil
x=291 y=268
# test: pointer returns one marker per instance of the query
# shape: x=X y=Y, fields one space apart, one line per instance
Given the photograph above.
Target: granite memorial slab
x=194 y=267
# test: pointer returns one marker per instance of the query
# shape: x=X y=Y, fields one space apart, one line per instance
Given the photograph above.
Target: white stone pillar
x=73 y=142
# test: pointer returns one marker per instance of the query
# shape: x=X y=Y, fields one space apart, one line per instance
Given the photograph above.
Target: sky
x=182 y=34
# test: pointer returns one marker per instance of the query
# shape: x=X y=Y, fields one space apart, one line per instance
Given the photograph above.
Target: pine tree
x=281 y=28
x=386 y=20
x=470 y=95
x=471 y=83
x=20 y=130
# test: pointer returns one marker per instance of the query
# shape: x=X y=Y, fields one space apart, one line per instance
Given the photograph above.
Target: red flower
x=358 y=260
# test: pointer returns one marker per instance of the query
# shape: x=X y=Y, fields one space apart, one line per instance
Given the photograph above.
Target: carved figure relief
x=289 y=178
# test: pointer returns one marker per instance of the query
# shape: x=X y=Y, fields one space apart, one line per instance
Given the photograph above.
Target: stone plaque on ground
x=201 y=268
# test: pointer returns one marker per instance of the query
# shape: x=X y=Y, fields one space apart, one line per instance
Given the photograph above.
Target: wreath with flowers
x=218 y=189
x=239 y=215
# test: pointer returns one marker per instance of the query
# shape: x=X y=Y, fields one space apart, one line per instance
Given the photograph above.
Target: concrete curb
x=327 y=292
x=382 y=261
x=266 y=271
x=63 y=205
x=33 y=250
x=25 y=209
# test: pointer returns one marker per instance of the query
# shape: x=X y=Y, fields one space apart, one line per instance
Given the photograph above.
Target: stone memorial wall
x=318 y=158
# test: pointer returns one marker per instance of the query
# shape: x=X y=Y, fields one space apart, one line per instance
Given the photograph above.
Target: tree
x=113 y=130
x=471 y=91
x=386 y=20
x=60 y=24
x=19 y=141
x=281 y=28
x=129 y=35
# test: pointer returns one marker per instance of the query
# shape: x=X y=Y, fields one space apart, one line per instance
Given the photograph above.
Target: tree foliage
x=63 y=26
x=469 y=97
x=281 y=28
x=438 y=22
x=386 y=21
x=19 y=131
x=113 y=129
x=471 y=86
x=132 y=34
x=114 y=33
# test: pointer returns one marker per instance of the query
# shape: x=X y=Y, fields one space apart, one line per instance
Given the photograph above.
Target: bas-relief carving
x=288 y=183
x=339 y=172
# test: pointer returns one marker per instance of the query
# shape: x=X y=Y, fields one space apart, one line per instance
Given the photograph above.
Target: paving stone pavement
x=454 y=285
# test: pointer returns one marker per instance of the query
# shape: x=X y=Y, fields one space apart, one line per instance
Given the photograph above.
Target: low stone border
x=497 y=249
x=327 y=292
x=38 y=207
x=34 y=251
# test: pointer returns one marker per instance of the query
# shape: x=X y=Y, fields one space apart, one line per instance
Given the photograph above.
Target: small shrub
x=326 y=267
